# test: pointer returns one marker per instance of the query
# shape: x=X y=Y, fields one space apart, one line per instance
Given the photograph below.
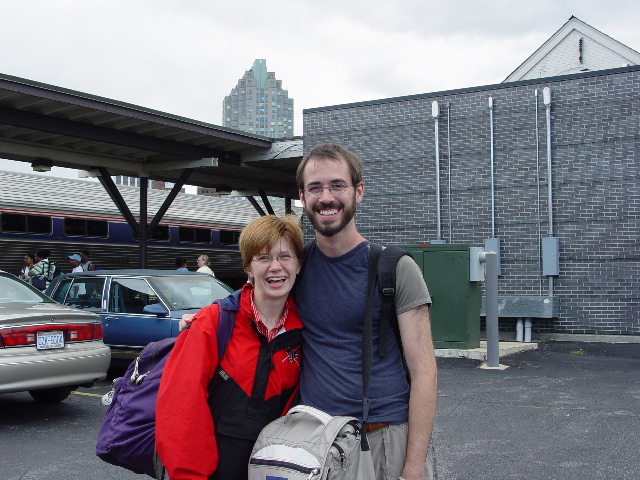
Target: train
x=65 y=215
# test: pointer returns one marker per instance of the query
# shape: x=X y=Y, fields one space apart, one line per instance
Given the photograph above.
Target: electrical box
x=476 y=264
x=550 y=256
x=455 y=311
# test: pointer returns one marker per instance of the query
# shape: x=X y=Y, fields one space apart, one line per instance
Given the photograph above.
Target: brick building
x=594 y=136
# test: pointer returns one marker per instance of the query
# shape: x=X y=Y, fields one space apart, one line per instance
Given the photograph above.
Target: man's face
x=83 y=257
x=330 y=212
x=74 y=263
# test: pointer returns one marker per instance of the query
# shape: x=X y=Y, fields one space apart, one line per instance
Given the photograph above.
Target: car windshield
x=13 y=290
x=188 y=291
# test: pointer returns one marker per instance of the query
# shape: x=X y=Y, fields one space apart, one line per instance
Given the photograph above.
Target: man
x=41 y=268
x=87 y=265
x=75 y=260
x=331 y=299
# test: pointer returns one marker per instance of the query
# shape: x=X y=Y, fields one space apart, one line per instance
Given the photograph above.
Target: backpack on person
x=307 y=443
x=127 y=435
x=54 y=271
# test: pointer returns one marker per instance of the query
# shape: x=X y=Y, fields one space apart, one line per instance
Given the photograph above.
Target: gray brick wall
x=595 y=134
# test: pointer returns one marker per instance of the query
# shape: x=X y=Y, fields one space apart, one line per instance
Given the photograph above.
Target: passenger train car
x=66 y=215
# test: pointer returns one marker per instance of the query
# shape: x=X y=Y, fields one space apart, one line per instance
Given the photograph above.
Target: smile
x=328 y=211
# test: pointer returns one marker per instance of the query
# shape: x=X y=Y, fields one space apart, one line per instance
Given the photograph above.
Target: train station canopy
x=50 y=126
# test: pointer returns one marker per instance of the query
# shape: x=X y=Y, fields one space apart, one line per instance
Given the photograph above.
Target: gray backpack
x=309 y=444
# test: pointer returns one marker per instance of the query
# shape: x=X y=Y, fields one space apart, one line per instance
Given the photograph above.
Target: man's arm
x=417 y=343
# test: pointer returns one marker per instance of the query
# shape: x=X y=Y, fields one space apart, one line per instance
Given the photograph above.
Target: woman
x=204 y=265
x=29 y=262
x=208 y=415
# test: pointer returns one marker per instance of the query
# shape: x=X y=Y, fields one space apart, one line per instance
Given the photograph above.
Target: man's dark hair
x=180 y=262
x=331 y=151
x=43 y=253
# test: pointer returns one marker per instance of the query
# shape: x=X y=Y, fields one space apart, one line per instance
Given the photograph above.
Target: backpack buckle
x=388 y=292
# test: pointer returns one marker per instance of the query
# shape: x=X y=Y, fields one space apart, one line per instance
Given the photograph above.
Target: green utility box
x=455 y=312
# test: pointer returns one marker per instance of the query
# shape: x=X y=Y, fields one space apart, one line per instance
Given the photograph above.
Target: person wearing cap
x=76 y=263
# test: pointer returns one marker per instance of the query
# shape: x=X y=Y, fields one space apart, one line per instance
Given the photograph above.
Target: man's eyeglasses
x=334 y=188
x=283 y=259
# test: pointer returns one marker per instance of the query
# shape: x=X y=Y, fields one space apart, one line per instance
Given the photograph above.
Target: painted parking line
x=88 y=394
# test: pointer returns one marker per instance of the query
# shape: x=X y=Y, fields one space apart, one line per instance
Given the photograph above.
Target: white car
x=47 y=349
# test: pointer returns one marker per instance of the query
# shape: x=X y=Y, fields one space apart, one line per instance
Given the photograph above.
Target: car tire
x=51 y=395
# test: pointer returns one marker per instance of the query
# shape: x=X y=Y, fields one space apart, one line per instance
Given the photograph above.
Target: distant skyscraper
x=258 y=104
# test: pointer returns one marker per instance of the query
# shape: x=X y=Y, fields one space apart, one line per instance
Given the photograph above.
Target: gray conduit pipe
x=435 y=113
x=493 y=200
x=538 y=212
x=449 y=164
x=546 y=96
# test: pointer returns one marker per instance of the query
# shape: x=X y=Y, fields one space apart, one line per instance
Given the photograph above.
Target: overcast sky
x=184 y=57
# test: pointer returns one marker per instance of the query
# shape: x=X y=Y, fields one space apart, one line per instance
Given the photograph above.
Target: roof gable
x=576 y=47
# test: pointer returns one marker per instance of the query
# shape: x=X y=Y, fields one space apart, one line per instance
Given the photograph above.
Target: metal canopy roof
x=47 y=125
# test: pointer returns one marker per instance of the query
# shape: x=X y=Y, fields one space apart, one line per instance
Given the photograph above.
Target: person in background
x=87 y=265
x=204 y=265
x=75 y=262
x=29 y=261
x=181 y=264
x=41 y=267
x=209 y=413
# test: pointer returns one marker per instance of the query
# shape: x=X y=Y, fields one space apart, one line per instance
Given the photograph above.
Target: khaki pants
x=388 y=449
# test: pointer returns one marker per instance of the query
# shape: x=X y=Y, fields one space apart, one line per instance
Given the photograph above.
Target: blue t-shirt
x=331 y=297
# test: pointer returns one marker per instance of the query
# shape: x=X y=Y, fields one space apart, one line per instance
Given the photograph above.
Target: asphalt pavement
x=565 y=410
x=561 y=410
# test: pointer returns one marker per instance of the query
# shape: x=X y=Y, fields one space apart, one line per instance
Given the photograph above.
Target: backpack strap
x=386 y=276
x=227 y=308
x=367 y=335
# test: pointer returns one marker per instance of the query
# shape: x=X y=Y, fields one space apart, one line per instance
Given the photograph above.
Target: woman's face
x=200 y=262
x=274 y=272
x=27 y=260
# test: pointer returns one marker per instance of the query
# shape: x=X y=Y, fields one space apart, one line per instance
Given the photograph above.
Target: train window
x=194 y=235
x=82 y=227
x=160 y=233
x=229 y=237
x=14 y=222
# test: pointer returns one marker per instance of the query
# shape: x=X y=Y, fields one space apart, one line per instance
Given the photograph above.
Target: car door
x=125 y=323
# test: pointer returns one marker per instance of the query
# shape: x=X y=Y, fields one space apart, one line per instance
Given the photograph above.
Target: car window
x=130 y=295
x=13 y=290
x=85 y=293
x=189 y=291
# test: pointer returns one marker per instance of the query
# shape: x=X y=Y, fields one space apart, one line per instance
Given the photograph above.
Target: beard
x=328 y=230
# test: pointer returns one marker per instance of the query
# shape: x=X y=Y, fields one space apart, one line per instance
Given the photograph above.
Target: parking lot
x=564 y=411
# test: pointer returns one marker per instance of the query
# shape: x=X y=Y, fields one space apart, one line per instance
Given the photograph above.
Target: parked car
x=137 y=306
x=47 y=349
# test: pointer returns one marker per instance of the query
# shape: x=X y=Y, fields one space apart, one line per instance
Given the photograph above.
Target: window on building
x=229 y=237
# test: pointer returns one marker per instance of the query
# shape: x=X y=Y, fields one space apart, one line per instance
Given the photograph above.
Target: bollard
x=491 y=292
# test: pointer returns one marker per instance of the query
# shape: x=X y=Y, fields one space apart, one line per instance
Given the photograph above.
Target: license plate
x=48 y=340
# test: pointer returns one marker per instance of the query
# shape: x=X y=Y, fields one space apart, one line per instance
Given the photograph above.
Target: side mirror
x=156 y=309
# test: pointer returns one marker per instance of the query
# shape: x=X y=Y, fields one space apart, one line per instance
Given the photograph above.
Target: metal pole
x=491 y=292
x=143 y=221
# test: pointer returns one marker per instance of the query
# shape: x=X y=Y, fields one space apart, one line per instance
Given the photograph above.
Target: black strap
x=387 y=265
x=367 y=333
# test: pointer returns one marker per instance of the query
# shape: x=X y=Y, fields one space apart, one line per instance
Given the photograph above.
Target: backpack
x=127 y=435
x=309 y=444
x=54 y=271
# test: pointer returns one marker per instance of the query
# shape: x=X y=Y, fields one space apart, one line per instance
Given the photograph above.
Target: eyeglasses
x=283 y=259
x=334 y=188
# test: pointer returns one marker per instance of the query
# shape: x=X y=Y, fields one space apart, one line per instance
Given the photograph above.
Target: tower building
x=258 y=104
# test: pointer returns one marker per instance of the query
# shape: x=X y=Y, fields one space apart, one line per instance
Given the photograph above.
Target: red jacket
x=190 y=397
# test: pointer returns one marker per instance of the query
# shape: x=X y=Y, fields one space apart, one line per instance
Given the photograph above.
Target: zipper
x=343 y=456
x=291 y=466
